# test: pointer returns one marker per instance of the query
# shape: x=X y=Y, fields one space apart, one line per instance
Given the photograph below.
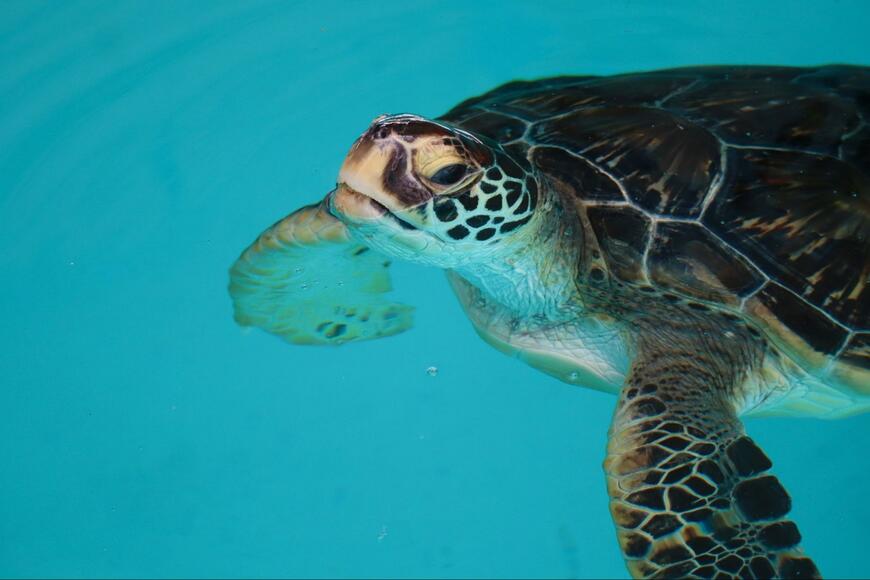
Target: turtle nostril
x=382 y=133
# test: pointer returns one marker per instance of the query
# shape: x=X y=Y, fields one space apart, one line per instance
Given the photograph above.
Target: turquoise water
x=143 y=145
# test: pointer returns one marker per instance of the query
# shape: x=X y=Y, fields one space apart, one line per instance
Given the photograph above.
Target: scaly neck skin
x=534 y=271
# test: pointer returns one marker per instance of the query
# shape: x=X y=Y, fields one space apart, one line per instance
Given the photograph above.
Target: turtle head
x=429 y=192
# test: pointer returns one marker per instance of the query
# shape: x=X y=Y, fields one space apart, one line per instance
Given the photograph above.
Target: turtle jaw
x=375 y=225
x=347 y=204
x=355 y=208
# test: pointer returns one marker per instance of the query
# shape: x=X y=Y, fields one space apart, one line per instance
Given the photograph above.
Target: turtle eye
x=449 y=174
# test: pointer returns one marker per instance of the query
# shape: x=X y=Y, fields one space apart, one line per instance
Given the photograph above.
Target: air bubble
x=432 y=371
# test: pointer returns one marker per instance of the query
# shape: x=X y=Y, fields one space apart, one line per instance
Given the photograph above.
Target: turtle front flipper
x=306 y=280
x=691 y=495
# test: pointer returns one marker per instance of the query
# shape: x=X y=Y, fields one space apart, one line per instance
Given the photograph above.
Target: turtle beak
x=346 y=203
x=364 y=167
x=360 y=195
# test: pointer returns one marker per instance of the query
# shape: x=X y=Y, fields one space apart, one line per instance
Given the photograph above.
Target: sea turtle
x=696 y=240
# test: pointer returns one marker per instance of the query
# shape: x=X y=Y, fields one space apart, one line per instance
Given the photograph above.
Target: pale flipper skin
x=690 y=493
x=306 y=280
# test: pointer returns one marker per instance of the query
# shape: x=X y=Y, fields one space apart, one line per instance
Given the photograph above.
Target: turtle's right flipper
x=306 y=280
x=691 y=495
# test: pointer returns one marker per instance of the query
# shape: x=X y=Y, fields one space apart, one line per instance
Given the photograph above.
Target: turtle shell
x=747 y=187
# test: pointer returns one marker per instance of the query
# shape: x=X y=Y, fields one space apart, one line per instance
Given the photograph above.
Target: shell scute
x=687 y=258
x=587 y=181
x=804 y=220
x=800 y=329
x=807 y=117
x=622 y=234
x=666 y=165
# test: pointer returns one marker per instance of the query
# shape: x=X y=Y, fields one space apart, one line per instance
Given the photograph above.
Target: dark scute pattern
x=637 y=546
x=762 y=568
x=681 y=500
x=518 y=151
x=514 y=190
x=700 y=486
x=700 y=544
x=703 y=448
x=814 y=327
x=780 y=535
x=675 y=443
x=699 y=515
x=652 y=497
x=622 y=234
x=687 y=258
x=468 y=201
x=509 y=166
x=628 y=518
x=678 y=474
x=723 y=533
x=485 y=234
x=805 y=221
x=671 y=554
x=798 y=568
x=586 y=180
x=477 y=221
x=666 y=163
x=510 y=226
x=458 y=232
x=445 y=210
x=494 y=203
x=649 y=407
x=775 y=113
x=747 y=457
x=730 y=563
x=661 y=525
x=335 y=331
x=523 y=207
x=762 y=498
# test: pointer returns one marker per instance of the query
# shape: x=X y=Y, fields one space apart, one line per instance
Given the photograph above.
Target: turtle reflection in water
x=695 y=240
